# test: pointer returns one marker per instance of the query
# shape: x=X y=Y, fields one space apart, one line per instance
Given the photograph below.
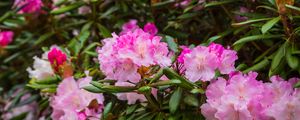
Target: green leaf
x=164 y=3
x=293 y=7
x=292 y=60
x=104 y=31
x=113 y=89
x=106 y=110
x=256 y=37
x=93 y=89
x=197 y=90
x=144 y=89
x=277 y=60
x=109 y=11
x=269 y=25
x=187 y=15
x=49 y=80
x=217 y=3
x=171 y=43
x=297 y=85
x=175 y=100
x=219 y=36
x=39 y=86
x=191 y=100
x=172 y=75
x=250 y=21
x=165 y=82
x=67 y=8
x=262 y=64
x=43 y=38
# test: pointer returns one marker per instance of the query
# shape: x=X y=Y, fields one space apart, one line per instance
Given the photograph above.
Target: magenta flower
x=185 y=50
x=121 y=56
x=56 y=57
x=6 y=37
x=29 y=6
x=150 y=28
x=129 y=26
x=71 y=102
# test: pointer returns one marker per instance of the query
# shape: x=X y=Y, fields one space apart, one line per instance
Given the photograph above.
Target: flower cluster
x=71 y=102
x=5 y=38
x=48 y=64
x=200 y=63
x=122 y=56
x=29 y=6
x=243 y=97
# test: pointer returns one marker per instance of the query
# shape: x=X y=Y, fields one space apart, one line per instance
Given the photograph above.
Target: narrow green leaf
x=293 y=7
x=106 y=110
x=39 y=86
x=292 y=60
x=172 y=75
x=175 y=100
x=217 y=3
x=187 y=15
x=104 y=31
x=262 y=64
x=43 y=38
x=191 y=100
x=256 y=37
x=164 y=3
x=93 y=89
x=113 y=89
x=250 y=21
x=297 y=85
x=49 y=80
x=67 y=8
x=171 y=43
x=109 y=11
x=269 y=25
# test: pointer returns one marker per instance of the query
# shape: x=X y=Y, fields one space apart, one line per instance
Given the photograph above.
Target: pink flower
x=129 y=26
x=150 y=28
x=236 y=99
x=72 y=102
x=185 y=50
x=56 y=57
x=200 y=63
x=131 y=97
x=6 y=37
x=121 y=56
x=29 y=6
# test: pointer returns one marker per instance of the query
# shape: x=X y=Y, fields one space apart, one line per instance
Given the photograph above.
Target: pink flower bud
x=5 y=38
x=56 y=57
x=150 y=28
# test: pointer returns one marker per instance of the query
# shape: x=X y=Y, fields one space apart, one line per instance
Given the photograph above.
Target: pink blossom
x=129 y=26
x=56 y=57
x=131 y=97
x=150 y=28
x=233 y=99
x=6 y=37
x=200 y=63
x=121 y=56
x=243 y=97
x=185 y=50
x=241 y=18
x=29 y=6
x=71 y=102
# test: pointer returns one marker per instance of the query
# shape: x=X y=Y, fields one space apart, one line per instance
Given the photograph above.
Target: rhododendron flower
x=41 y=68
x=129 y=26
x=150 y=28
x=232 y=100
x=242 y=97
x=71 y=102
x=121 y=56
x=200 y=63
x=56 y=57
x=5 y=38
x=29 y=6
x=131 y=97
